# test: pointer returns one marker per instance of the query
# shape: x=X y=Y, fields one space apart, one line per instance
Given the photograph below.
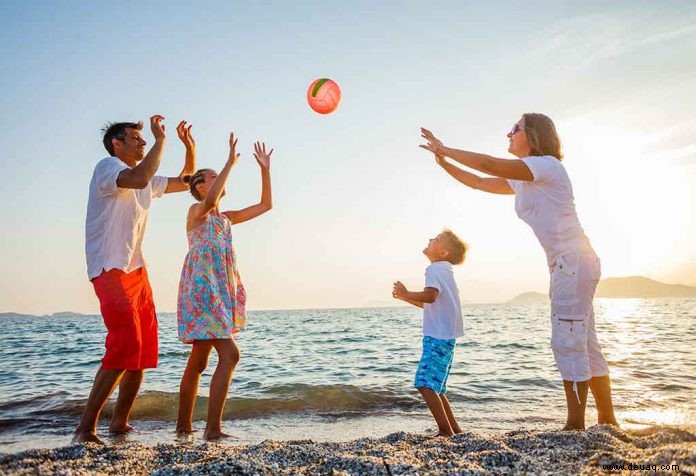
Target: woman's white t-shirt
x=547 y=205
x=116 y=219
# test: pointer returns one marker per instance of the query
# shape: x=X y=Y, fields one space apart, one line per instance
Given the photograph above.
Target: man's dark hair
x=117 y=130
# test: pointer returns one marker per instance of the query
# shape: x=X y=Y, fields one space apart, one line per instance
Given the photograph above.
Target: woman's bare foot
x=86 y=437
x=572 y=428
x=605 y=421
x=215 y=435
x=118 y=429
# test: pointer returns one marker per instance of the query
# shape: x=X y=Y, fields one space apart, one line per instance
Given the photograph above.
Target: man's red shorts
x=129 y=315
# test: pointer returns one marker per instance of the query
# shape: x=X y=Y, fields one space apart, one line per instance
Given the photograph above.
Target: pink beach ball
x=323 y=95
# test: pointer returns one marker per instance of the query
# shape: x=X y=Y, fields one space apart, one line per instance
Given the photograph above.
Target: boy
x=442 y=324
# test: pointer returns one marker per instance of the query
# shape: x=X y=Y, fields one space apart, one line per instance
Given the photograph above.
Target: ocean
x=339 y=374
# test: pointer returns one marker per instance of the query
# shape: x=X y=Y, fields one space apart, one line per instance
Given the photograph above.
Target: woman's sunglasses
x=515 y=129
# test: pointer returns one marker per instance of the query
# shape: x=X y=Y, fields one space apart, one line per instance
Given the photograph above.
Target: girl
x=210 y=307
x=544 y=200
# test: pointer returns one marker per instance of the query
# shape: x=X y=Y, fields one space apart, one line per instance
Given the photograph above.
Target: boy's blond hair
x=456 y=247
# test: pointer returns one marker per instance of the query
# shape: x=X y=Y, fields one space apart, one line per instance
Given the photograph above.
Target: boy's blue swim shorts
x=435 y=364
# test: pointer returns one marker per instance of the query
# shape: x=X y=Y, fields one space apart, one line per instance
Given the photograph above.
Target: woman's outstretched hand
x=261 y=156
x=434 y=144
x=234 y=156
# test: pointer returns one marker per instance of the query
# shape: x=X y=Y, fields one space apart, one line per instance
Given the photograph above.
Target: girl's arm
x=487 y=184
x=264 y=160
x=177 y=184
x=211 y=200
x=503 y=168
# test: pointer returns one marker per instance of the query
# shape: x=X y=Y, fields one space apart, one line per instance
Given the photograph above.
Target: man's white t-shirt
x=116 y=219
x=442 y=319
x=547 y=205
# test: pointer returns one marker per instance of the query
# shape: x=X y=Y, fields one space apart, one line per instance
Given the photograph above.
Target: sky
x=355 y=199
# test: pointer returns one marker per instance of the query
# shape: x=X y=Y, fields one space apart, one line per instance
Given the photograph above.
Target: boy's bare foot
x=215 y=435
x=86 y=437
x=118 y=429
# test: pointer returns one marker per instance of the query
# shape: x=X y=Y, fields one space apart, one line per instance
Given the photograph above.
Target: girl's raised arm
x=245 y=214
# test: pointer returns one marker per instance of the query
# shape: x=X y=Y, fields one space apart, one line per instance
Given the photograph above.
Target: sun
x=631 y=203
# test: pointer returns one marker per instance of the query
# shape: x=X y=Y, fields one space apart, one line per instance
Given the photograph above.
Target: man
x=120 y=193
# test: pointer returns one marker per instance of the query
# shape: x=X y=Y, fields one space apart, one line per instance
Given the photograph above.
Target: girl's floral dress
x=211 y=295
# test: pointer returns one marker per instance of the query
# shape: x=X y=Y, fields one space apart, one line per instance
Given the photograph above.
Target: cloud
x=583 y=40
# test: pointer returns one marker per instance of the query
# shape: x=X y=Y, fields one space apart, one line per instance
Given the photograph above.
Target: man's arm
x=177 y=184
x=140 y=175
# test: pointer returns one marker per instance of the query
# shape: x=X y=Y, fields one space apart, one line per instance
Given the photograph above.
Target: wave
x=334 y=400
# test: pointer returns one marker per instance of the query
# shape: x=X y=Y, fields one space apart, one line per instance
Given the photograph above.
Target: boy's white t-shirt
x=547 y=205
x=116 y=219
x=442 y=319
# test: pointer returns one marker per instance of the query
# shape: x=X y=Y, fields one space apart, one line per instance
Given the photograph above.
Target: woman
x=544 y=200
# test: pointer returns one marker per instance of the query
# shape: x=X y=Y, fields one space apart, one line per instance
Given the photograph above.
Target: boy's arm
x=412 y=302
x=417 y=298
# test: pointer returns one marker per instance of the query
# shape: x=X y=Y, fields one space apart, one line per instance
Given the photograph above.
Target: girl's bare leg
x=228 y=357
x=188 y=389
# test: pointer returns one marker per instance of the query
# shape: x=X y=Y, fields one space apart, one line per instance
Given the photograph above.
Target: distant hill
x=640 y=286
x=627 y=287
x=57 y=314
x=530 y=298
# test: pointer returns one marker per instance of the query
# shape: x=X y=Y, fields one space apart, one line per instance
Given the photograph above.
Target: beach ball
x=323 y=95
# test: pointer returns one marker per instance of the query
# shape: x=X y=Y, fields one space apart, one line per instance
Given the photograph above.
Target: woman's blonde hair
x=541 y=135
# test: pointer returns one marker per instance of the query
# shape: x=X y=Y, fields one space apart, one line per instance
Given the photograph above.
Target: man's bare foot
x=215 y=435
x=121 y=428
x=86 y=437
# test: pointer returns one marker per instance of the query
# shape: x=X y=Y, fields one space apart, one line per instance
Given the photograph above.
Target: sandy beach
x=519 y=452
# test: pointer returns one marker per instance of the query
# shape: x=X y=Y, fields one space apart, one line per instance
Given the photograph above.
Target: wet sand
x=523 y=452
